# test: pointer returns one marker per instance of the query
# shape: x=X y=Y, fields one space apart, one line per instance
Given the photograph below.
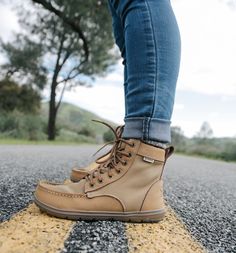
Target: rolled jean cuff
x=147 y=129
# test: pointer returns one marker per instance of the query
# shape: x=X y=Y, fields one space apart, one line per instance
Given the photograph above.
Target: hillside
x=76 y=119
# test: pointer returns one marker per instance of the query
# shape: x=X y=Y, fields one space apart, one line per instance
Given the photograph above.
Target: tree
x=65 y=16
x=71 y=56
x=21 y=97
x=177 y=137
x=24 y=62
x=205 y=131
x=75 y=41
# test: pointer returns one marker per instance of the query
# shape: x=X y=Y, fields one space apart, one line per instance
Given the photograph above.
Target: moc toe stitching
x=69 y=195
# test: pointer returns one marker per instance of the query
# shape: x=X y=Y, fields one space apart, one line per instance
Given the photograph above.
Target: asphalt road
x=202 y=192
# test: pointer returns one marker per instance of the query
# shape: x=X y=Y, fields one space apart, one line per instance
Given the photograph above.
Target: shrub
x=67 y=135
x=20 y=126
x=108 y=136
x=87 y=132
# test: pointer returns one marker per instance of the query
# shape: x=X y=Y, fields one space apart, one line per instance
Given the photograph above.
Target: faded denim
x=148 y=37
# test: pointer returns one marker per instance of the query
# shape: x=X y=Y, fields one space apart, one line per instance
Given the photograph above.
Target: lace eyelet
x=91 y=185
x=109 y=176
x=130 y=155
x=132 y=144
x=118 y=171
x=125 y=163
x=100 y=181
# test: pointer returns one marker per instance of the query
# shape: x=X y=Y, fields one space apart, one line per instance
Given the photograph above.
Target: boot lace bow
x=114 y=159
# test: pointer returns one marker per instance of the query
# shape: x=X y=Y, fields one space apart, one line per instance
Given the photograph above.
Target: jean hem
x=146 y=128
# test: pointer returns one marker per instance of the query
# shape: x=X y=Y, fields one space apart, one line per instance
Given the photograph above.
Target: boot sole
x=140 y=216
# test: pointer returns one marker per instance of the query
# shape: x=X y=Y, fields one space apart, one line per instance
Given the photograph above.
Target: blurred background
x=59 y=68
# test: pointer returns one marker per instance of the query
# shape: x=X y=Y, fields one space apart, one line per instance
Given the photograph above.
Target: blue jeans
x=147 y=35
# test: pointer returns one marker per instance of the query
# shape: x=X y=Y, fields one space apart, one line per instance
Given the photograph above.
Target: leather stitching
x=68 y=195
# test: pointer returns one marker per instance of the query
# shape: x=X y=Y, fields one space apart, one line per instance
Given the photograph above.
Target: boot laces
x=116 y=156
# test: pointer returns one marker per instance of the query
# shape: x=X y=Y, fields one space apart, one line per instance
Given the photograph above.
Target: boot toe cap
x=54 y=195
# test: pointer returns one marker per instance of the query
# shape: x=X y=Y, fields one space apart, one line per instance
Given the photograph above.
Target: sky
x=206 y=88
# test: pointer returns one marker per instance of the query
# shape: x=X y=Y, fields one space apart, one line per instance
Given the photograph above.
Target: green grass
x=203 y=156
x=41 y=142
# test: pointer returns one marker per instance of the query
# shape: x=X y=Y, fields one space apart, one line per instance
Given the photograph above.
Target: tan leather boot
x=79 y=173
x=127 y=187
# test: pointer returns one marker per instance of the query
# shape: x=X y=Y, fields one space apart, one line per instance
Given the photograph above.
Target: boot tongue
x=122 y=145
